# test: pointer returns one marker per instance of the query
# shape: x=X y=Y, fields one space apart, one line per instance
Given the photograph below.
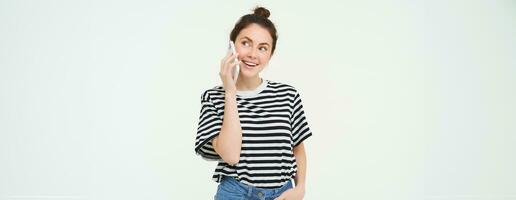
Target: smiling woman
x=253 y=46
x=253 y=127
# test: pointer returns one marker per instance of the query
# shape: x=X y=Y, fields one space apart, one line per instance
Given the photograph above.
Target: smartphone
x=236 y=69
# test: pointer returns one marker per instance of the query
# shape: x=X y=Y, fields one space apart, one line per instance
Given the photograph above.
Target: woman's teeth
x=250 y=64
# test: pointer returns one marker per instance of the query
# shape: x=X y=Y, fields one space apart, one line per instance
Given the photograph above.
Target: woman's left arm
x=298 y=192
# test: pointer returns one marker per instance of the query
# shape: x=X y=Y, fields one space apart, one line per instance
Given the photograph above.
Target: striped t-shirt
x=273 y=123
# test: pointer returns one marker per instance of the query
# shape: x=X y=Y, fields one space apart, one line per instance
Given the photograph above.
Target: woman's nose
x=253 y=53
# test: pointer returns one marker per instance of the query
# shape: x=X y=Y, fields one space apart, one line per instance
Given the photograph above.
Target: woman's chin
x=247 y=73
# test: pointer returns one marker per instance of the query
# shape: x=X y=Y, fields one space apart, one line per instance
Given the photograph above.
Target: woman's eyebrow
x=263 y=43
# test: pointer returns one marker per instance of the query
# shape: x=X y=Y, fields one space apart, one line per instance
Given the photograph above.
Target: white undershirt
x=251 y=93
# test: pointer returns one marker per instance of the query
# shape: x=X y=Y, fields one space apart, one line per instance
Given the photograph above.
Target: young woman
x=253 y=127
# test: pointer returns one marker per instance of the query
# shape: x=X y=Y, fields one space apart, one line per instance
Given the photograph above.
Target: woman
x=253 y=127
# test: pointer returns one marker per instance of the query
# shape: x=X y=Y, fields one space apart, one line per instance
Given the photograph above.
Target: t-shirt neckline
x=250 y=93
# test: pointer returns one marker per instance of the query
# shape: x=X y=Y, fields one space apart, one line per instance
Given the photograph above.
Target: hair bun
x=261 y=11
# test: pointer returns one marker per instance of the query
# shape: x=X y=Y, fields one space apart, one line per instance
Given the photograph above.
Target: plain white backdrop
x=406 y=99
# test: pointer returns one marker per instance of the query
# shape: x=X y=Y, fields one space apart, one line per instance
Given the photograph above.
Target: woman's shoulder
x=212 y=92
x=276 y=85
x=219 y=92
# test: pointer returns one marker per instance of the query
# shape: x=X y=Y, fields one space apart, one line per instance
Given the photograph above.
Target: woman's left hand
x=292 y=194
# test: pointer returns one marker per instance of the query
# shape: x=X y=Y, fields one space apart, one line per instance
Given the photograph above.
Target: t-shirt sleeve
x=299 y=125
x=210 y=123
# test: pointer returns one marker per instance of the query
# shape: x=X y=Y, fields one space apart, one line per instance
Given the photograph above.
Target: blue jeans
x=231 y=189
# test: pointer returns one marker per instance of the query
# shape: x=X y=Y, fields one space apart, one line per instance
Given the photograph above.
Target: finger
x=224 y=60
x=232 y=58
x=230 y=63
x=280 y=198
x=235 y=56
x=230 y=68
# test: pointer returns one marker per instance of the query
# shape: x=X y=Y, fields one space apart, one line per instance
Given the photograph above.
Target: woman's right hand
x=226 y=72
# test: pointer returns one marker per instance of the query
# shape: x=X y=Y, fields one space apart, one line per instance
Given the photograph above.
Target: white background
x=406 y=99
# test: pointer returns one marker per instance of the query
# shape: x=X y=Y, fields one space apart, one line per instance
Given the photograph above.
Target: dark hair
x=260 y=17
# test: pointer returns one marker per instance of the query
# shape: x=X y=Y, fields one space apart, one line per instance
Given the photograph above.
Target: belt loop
x=250 y=192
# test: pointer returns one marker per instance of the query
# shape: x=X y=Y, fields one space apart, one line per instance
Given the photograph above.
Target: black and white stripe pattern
x=273 y=123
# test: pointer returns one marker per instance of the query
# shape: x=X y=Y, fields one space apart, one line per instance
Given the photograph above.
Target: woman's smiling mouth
x=250 y=64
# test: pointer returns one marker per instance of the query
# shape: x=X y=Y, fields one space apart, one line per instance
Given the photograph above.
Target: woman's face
x=254 y=45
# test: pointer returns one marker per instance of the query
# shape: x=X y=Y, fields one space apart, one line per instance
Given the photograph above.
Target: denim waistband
x=251 y=191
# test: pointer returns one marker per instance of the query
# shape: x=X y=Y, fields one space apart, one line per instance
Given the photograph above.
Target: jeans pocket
x=228 y=192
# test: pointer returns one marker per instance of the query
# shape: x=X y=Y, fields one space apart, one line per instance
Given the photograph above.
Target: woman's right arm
x=229 y=141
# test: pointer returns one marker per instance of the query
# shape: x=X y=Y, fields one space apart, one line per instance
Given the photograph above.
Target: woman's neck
x=247 y=84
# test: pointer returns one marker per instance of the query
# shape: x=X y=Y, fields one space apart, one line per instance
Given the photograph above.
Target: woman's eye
x=245 y=43
x=263 y=49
